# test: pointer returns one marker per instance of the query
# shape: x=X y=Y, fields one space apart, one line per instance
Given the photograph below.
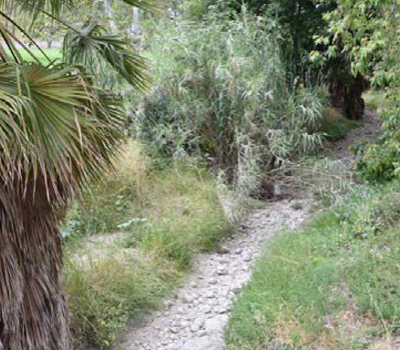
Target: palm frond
x=37 y=6
x=55 y=127
x=93 y=48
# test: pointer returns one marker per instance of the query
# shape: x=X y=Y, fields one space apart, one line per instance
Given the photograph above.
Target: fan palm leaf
x=93 y=47
x=63 y=125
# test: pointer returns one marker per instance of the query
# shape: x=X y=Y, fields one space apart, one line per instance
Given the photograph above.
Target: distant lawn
x=53 y=54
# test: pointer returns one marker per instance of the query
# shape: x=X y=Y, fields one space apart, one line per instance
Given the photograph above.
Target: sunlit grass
x=375 y=101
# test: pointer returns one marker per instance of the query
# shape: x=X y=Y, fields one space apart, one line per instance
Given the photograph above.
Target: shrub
x=379 y=161
x=160 y=218
x=221 y=89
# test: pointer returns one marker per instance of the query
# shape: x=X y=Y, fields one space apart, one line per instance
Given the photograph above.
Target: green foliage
x=368 y=31
x=375 y=101
x=343 y=259
x=104 y=294
x=380 y=161
x=55 y=114
x=101 y=53
x=301 y=20
x=221 y=91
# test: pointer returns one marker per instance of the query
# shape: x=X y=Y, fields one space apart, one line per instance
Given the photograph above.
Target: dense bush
x=367 y=31
x=221 y=91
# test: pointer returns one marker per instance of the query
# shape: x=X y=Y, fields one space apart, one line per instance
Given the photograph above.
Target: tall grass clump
x=221 y=91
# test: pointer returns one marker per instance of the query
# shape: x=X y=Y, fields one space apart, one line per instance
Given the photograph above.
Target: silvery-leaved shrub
x=221 y=91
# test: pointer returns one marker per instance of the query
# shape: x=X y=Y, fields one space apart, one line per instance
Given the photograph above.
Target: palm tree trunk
x=33 y=310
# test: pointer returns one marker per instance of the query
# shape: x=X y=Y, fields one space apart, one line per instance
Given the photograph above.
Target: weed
x=105 y=292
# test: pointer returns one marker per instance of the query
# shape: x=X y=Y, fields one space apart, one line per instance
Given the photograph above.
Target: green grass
x=161 y=218
x=310 y=289
x=375 y=101
x=106 y=293
x=335 y=126
x=53 y=54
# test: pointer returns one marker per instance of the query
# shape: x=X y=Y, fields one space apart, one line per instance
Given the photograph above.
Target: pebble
x=187 y=299
x=213 y=281
x=210 y=294
x=222 y=271
x=247 y=258
x=223 y=250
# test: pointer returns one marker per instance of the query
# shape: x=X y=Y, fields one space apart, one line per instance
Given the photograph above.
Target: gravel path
x=195 y=318
x=367 y=132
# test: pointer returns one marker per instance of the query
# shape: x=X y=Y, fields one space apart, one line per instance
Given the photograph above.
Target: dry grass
x=136 y=236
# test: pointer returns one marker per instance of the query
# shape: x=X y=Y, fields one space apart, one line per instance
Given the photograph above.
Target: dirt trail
x=367 y=132
x=196 y=317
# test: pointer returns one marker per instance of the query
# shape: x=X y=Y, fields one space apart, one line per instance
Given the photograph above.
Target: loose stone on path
x=196 y=318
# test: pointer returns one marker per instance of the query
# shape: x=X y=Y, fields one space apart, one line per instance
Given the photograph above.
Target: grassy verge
x=375 y=101
x=331 y=286
x=132 y=239
x=335 y=126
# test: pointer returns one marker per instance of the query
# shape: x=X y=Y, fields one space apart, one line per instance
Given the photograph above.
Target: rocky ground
x=195 y=318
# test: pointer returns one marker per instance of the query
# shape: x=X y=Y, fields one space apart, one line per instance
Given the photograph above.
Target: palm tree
x=58 y=131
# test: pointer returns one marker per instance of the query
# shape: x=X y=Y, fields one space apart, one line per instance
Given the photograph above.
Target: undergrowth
x=221 y=92
x=333 y=285
x=152 y=223
x=376 y=101
x=334 y=125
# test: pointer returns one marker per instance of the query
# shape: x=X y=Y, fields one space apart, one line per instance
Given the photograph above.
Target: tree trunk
x=33 y=310
x=348 y=96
